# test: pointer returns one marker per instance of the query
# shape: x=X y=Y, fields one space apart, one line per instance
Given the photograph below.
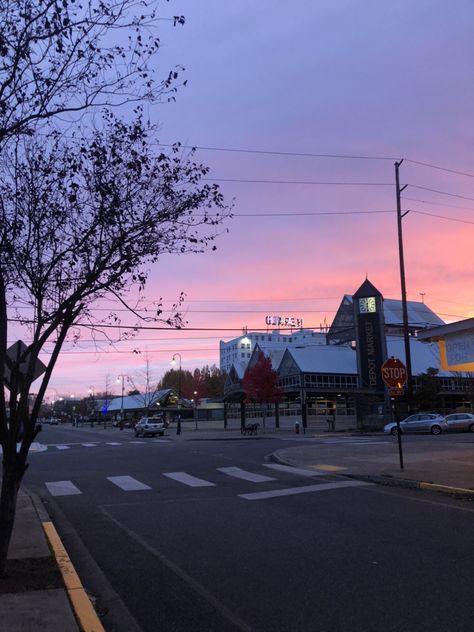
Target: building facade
x=340 y=375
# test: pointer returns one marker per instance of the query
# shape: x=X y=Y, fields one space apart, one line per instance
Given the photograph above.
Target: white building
x=239 y=350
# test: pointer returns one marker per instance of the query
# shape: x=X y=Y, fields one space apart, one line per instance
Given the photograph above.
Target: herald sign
x=394 y=373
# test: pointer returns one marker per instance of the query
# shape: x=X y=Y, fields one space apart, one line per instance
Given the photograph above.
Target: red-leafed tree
x=260 y=384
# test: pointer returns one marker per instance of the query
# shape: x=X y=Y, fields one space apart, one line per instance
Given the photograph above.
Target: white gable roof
x=326 y=359
x=137 y=402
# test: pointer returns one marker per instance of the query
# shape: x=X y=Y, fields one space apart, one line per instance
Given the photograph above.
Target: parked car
x=460 y=421
x=53 y=421
x=420 y=422
x=150 y=426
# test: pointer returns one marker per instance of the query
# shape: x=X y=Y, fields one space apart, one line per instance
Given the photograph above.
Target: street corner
x=38 y=447
x=326 y=467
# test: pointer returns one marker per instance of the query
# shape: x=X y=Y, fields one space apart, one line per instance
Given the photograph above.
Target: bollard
x=297 y=427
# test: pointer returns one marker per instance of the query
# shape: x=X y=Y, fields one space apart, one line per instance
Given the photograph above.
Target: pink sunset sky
x=384 y=80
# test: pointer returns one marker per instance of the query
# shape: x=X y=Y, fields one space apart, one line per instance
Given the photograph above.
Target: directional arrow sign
x=394 y=373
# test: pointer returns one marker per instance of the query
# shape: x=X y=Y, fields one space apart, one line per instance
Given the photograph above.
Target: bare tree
x=80 y=219
x=146 y=385
x=63 y=57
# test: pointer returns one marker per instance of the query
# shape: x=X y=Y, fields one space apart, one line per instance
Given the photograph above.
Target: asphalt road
x=189 y=542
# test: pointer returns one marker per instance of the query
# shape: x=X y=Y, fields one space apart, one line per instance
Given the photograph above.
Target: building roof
x=326 y=359
x=419 y=314
x=139 y=402
x=458 y=327
x=342 y=359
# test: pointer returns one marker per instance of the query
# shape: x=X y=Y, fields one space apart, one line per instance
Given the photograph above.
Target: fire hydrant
x=297 y=427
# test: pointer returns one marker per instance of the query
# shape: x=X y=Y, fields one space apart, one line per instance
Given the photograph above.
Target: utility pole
x=406 y=334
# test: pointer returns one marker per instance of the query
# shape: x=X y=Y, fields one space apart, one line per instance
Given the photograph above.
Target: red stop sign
x=394 y=373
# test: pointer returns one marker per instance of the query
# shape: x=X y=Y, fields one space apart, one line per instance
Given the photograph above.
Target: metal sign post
x=394 y=374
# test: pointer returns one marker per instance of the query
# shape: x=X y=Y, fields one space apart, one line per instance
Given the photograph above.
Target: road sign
x=395 y=392
x=394 y=373
x=14 y=353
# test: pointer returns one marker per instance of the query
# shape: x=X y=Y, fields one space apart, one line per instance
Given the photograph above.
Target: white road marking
x=362 y=444
x=187 y=479
x=112 y=443
x=136 y=442
x=89 y=445
x=298 y=471
x=302 y=490
x=127 y=483
x=63 y=447
x=62 y=488
x=237 y=472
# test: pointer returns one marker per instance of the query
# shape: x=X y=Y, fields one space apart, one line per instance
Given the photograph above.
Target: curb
x=407 y=483
x=81 y=603
x=390 y=481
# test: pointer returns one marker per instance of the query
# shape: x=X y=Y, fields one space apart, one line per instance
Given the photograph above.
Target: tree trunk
x=11 y=481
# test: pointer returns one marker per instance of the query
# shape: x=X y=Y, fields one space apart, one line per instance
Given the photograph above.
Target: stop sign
x=394 y=373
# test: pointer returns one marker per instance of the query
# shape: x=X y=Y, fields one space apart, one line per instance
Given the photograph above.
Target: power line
x=318 y=155
x=431 y=166
x=461 y=208
x=456 y=195
x=281 y=153
x=304 y=182
x=450 y=219
x=309 y=213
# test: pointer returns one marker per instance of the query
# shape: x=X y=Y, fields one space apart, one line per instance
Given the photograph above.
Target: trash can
x=297 y=427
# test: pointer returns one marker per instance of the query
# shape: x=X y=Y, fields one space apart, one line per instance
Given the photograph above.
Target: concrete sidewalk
x=445 y=468
x=49 y=610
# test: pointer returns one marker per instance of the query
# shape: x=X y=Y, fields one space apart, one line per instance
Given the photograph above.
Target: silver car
x=420 y=422
x=150 y=426
x=460 y=421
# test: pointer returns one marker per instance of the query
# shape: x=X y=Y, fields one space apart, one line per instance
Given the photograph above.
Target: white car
x=420 y=422
x=150 y=426
x=460 y=421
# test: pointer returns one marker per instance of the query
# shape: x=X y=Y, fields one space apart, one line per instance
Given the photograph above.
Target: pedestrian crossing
x=95 y=444
x=127 y=483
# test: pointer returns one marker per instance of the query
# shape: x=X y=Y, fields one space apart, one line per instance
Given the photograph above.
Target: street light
x=173 y=361
x=122 y=377
x=195 y=410
x=92 y=396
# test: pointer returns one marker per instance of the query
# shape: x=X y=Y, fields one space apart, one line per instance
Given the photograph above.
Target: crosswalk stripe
x=63 y=447
x=290 y=491
x=136 y=442
x=237 y=472
x=62 y=488
x=89 y=445
x=127 y=483
x=298 y=471
x=187 y=479
x=113 y=443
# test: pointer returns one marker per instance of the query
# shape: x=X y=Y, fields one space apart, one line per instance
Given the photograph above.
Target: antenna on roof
x=244 y=330
x=423 y=294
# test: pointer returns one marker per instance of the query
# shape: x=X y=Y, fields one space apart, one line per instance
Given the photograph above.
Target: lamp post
x=92 y=396
x=73 y=415
x=173 y=361
x=122 y=377
x=195 y=410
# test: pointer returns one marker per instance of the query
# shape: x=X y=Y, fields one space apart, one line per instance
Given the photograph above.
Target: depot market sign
x=394 y=374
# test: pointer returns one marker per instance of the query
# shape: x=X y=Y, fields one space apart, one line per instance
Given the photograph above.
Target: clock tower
x=370 y=336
